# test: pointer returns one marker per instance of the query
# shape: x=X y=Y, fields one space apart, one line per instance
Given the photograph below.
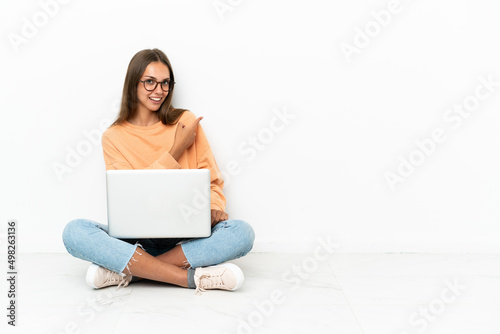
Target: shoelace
x=208 y=281
x=122 y=280
x=123 y=283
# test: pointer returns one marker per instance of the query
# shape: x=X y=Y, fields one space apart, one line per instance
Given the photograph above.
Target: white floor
x=283 y=293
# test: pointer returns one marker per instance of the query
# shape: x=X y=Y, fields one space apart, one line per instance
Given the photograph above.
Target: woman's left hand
x=218 y=216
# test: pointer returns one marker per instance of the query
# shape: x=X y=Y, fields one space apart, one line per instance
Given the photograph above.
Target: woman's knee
x=245 y=235
x=75 y=230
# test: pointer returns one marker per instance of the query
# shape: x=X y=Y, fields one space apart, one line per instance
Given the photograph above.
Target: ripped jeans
x=90 y=241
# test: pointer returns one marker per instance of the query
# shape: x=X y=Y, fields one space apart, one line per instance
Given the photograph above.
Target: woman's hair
x=167 y=113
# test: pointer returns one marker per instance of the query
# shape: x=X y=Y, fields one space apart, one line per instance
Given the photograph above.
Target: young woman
x=151 y=134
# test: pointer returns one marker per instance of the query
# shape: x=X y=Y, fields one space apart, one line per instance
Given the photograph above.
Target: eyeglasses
x=151 y=85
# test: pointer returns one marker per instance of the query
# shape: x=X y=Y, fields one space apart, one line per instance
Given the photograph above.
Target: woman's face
x=152 y=100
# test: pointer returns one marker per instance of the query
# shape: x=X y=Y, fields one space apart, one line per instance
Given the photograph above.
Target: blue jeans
x=90 y=241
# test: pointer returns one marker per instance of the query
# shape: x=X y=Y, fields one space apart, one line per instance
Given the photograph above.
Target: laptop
x=158 y=203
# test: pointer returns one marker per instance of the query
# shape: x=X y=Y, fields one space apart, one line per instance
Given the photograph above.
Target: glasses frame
x=156 y=85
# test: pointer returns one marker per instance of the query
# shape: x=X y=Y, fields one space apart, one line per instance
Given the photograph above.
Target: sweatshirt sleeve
x=115 y=160
x=206 y=160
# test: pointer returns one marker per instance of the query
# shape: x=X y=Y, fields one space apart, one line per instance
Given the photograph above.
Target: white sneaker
x=99 y=277
x=225 y=276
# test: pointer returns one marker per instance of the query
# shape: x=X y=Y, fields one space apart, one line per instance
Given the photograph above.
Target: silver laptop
x=158 y=203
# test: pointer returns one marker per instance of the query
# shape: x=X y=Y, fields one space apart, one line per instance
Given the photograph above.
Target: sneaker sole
x=240 y=278
x=90 y=277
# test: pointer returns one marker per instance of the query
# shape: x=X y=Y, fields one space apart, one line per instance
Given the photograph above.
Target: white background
x=322 y=174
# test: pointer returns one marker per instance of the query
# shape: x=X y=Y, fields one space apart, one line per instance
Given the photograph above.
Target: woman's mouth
x=155 y=99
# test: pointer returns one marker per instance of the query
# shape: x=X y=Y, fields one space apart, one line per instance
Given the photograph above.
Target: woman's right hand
x=184 y=137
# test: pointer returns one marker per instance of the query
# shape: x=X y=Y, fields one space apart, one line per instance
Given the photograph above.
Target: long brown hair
x=167 y=113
